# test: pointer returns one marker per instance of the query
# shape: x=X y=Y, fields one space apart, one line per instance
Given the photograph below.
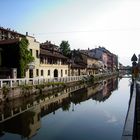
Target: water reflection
x=24 y=117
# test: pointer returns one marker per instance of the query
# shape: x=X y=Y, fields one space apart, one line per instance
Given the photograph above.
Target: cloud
x=110 y=118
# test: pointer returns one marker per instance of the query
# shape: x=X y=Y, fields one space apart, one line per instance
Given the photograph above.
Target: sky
x=113 y=24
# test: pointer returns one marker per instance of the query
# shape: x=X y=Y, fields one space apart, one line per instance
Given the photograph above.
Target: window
x=31 y=51
x=41 y=72
x=65 y=71
x=30 y=73
x=48 y=72
x=37 y=54
x=61 y=73
x=37 y=72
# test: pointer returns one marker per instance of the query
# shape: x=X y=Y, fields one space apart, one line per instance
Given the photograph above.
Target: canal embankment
x=138 y=111
x=21 y=105
x=132 y=123
x=19 y=88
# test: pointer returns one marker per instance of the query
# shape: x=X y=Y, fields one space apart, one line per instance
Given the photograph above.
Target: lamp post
x=134 y=67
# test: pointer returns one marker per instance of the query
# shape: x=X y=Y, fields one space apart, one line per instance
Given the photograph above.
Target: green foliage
x=91 y=79
x=40 y=87
x=56 y=84
x=26 y=89
x=25 y=56
x=65 y=48
x=66 y=107
x=5 y=90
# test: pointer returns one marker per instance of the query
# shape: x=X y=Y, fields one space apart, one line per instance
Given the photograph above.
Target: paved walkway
x=132 y=125
x=138 y=113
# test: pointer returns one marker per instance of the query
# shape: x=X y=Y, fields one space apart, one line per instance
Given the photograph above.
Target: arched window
x=55 y=73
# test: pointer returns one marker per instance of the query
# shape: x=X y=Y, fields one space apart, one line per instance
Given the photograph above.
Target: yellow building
x=34 y=48
x=52 y=62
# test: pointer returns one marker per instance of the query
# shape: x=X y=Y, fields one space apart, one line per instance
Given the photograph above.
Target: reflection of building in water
x=94 y=89
x=36 y=124
x=99 y=92
x=79 y=95
x=59 y=100
x=115 y=84
x=85 y=93
x=25 y=124
x=51 y=105
x=105 y=89
x=108 y=86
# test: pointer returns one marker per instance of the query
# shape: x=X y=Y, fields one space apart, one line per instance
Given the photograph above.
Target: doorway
x=55 y=73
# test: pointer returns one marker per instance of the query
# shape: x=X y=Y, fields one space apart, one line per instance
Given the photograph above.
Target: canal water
x=83 y=112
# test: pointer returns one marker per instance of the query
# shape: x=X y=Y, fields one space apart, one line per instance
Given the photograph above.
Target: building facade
x=83 y=64
x=49 y=62
x=108 y=59
x=9 y=40
x=33 y=67
x=52 y=62
x=6 y=34
x=9 y=48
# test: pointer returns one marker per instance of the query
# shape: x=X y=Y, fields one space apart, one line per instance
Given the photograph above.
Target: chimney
x=26 y=33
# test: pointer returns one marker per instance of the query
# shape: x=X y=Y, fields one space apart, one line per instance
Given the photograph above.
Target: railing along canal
x=35 y=81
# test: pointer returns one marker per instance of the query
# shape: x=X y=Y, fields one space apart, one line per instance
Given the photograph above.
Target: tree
x=25 y=56
x=65 y=48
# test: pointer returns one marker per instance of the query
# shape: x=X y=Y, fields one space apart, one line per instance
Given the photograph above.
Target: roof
x=9 y=41
x=52 y=53
x=74 y=65
x=49 y=46
x=11 y=31
x=88 y=54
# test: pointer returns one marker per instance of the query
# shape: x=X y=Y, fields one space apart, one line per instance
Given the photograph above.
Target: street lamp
x=134 y=67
